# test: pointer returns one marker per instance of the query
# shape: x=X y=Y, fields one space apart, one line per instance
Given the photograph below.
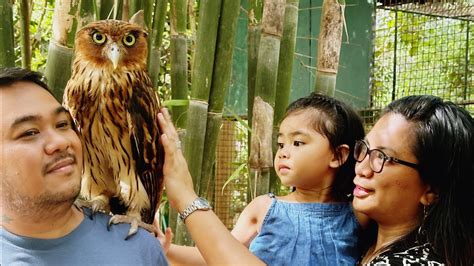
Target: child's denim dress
x=307 y=234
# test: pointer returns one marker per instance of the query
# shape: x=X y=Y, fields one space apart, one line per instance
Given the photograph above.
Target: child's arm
x=244 y=231
x=251 y=219
x=183 y=255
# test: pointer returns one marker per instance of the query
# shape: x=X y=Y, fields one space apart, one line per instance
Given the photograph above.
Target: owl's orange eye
x=129 y=40
x=98 y=38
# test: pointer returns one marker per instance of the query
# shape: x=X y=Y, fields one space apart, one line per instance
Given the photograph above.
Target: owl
x=112 y=101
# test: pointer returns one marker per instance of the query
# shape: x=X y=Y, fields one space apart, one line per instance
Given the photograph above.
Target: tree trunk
x=7 y=43
x=261 y=156
x=329 y=47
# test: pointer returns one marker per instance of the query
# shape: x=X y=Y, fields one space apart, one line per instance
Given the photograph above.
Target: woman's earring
x=421 y=229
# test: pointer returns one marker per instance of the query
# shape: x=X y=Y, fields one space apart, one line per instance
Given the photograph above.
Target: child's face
x=303 y=155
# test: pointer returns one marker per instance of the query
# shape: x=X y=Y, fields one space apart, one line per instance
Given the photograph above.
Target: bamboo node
x=326 y=70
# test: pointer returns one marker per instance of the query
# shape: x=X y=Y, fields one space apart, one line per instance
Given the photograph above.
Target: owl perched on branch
x=112 y=100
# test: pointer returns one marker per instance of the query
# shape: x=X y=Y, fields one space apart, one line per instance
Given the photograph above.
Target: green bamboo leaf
x=238 y=118
x=233 y=176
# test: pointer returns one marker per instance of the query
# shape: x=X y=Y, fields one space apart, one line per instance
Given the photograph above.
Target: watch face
x=202 y=204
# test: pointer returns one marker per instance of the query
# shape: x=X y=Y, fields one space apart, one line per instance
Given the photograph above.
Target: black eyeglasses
x=377 y=158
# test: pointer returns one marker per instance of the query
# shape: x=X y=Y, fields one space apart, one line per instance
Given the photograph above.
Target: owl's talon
x=133 y=230
x=80 y=203
x=134 y=224
x=98 y=205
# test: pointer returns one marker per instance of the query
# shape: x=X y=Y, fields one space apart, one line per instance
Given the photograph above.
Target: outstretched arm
x=177 y=255
x=212 y=238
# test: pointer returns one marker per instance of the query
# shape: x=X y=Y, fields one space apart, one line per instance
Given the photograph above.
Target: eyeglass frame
x=385 y=157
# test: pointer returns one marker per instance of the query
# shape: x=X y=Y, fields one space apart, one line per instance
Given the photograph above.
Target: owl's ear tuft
x=138 y=18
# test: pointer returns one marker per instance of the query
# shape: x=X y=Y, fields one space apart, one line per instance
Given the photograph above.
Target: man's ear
x=429 y=196
x=340 y=156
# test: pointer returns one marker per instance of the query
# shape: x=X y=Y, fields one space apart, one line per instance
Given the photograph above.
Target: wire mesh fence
x=231 y=171
x=421 y=54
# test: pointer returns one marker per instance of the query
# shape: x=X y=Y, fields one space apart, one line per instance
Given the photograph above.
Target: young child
x=314 y=224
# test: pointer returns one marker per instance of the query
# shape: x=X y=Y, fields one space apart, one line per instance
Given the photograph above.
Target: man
x=40 y=172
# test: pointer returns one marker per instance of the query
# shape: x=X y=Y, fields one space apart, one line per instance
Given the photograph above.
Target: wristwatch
x=199 y=204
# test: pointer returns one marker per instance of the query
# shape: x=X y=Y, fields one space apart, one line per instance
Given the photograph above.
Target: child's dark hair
x=341 y=124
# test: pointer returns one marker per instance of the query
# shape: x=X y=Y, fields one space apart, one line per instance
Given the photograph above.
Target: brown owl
x=112 y=100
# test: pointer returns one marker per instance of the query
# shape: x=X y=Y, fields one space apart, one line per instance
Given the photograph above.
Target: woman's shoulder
x=417 y=255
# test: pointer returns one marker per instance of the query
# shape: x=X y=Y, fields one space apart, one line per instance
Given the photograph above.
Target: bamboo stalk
x=7 y=44
x=286 y=58
x=25 y=34
x=329 y=47
x=111 y=9
x=200 y=88
x=86 y=13
x=220 y=83
x=261 y=157
x=191 y=29
x=60 y=51
x=125 y=10
x=155 y=40
x=253 y=40
x=179 y=63
x=285 y=71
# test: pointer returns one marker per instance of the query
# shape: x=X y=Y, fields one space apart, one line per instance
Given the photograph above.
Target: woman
x=415 y=184
x=414 y=178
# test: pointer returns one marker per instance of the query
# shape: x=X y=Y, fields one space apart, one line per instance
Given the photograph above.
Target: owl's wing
x=72 y=98
x=147 y=152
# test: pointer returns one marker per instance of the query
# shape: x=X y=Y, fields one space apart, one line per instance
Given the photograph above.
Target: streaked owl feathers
x=112 y=100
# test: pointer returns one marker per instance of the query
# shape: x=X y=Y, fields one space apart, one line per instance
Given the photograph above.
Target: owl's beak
x=113 y=54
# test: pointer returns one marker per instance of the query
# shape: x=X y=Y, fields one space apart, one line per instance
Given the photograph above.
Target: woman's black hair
x=341 y=124
x=444 y=147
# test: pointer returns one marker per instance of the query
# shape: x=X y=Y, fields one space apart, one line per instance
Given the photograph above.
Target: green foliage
x=40 y=30
x=430 y=55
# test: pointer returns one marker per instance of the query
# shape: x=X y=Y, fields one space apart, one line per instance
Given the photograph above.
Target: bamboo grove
x=201 y=36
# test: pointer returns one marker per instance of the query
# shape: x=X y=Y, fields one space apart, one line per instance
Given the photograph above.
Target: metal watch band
x=197 y=204
x=190 y=209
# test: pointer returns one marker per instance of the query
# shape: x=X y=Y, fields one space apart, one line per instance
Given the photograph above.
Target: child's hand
x=166 y=238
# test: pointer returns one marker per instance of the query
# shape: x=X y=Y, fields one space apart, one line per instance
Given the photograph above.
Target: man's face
x=41 y=154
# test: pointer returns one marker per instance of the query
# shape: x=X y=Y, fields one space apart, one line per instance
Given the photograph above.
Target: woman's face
x=394 y=195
